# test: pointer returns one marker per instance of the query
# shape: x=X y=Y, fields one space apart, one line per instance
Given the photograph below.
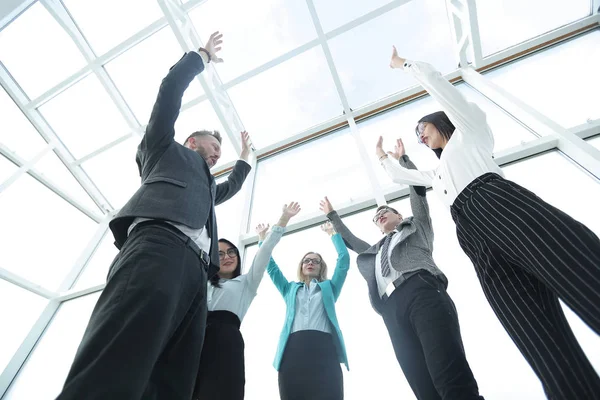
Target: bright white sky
x=277 y=104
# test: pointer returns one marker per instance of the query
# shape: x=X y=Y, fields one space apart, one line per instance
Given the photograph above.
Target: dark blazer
x=177 y=184
x=412 y=253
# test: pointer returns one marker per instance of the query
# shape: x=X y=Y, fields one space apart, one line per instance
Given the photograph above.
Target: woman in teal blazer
x=311 y=346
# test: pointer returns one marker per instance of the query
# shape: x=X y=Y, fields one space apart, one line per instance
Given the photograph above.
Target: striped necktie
x=385 y=260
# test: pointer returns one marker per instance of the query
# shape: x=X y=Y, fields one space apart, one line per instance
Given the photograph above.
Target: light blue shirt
x=310 y=310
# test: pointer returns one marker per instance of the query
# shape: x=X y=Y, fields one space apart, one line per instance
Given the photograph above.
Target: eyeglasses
x=231 y=253
x=419 y=131
x=314 y=261
x=380 y=213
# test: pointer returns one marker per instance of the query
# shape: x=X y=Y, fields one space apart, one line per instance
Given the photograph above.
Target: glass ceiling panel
x=525 y=20
x=53 y=168
x=199 y=117
x=34 y=40
x=115 y=171
x=16 y=132
x=96 y=269
x=329 y=166
x=287 y=99
x=7 y=168
x=595 y=142
x=84 y=117
x=125 y=18
x=50 y=361
x=334 y=13
x=18 y=312
x=61 y=233
x=139 y=72
x=256 y=32
x=229 y=214
x=560 y=82
x=365 y=78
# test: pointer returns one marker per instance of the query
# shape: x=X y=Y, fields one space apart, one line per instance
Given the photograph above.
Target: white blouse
x=468 y=153
x=236 y=295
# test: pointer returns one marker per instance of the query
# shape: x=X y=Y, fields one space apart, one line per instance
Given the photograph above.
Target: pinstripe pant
x=527 y=255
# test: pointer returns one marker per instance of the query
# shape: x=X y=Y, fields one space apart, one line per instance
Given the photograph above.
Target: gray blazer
x=412 y=253
x=177 y=184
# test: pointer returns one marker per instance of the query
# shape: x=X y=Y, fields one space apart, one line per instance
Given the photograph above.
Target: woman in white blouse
x=527 y=254
x=221 y=375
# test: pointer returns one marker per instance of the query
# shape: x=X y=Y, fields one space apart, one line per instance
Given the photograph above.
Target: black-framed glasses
x=230 y=252
x=380 y=213
x=314 y=261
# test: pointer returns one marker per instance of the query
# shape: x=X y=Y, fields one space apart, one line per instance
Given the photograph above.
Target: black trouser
x=423 y=326
x=310 y=368
x=221 y=375
x=145 y=334
x=527 y=255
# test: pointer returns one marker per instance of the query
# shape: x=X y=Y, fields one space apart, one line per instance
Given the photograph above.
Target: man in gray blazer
x=409 y=291
x=145 y=334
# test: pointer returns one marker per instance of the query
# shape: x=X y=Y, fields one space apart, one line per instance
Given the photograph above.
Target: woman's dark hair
x=442 y=123
x=238 y=268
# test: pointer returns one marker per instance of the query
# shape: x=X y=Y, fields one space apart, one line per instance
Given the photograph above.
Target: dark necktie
x=385 y=260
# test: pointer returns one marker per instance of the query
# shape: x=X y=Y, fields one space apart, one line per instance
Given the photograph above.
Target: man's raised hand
x=325 y=206
x=213 y=46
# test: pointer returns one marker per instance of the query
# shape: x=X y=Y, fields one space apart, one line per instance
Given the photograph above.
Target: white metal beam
x=19 y=162
x=36 y=119
x=27 y=346
x=462 y=15
x=577 y=149
x=26 y=284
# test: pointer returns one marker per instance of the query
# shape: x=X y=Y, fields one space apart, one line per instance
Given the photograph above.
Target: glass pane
x=93 y=18
x=33 y=39
x=287 y=99
x=16 y=132
x=278 y=25
x=139 y=72
x=115 y=171
x=84 y=117
x=7 y=168
x=572 y=100
x=51 y=167
x=229 y=214
x=526 y=19
x=50 y=361
x=199 y=117
x=61 y=231
x=366 y=80
x=20 y=319
x=334 y=13
x=97 y=267
x=595 y=142
x=329 y=166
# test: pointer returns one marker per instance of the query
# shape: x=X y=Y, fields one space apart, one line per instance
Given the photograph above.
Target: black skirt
x=221 y=375
x=310 y=368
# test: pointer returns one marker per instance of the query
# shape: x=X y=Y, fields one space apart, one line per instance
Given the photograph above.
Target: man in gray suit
x=409 y=291
x=145 y=334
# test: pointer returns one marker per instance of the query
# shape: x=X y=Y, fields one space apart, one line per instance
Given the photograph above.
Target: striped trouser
x=527 y=255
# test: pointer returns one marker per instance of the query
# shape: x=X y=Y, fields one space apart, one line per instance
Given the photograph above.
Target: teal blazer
x=330 y=290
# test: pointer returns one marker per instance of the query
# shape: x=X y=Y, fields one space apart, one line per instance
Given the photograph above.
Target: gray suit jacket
x=177 y=184
x=412 y=253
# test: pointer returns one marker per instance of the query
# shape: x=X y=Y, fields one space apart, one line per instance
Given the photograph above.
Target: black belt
x=403 y=278
x=203 y=255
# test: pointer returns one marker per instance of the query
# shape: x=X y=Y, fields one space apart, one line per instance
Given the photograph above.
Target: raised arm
x=343 y=260
x=235 y=180
x=279 y=280
x=467 y=117
x=160 y=131
x=351 y=241
x=399 y=174
x=263 y=256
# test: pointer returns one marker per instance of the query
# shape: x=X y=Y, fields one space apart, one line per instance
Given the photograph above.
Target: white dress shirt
x=310 y=310
x=236 y=295
x=468 y=153
x=384 y=281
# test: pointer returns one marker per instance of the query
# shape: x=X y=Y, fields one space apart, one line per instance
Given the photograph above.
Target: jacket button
x=445 y=192
x=439 y=176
